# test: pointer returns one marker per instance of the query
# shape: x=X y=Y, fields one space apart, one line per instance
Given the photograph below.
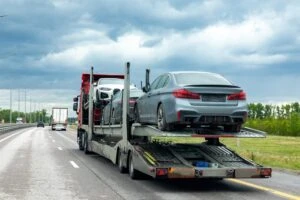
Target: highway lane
x=38 y=163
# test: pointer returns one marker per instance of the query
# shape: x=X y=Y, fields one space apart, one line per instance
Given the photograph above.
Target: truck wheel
x=133 y=173
x=80 y=139
x=121 y=167
x=86 y=144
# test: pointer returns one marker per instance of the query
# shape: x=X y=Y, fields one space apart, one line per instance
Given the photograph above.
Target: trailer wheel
x=86 y=144
x=133 y=173
x=121 y=167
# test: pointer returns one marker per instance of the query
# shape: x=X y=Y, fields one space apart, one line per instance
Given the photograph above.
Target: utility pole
x=18 y=102
x=25 y=107
x=34 y=112
x=10 y=106
x=30 y=110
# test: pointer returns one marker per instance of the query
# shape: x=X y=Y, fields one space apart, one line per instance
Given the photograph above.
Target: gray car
x=197 y=99
x=112 y=112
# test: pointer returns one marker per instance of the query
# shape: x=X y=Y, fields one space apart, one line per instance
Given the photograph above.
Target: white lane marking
x=74 y=164
x=2 y=140
x=53 y=140
x=59 y=148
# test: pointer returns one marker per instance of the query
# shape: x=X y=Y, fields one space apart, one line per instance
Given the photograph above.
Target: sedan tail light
x=185 y=94
x=237 y=96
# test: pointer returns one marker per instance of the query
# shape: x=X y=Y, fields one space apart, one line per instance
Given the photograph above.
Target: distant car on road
x=116 y=106
x=178 y=99
x=60 y=127
x=40 y=124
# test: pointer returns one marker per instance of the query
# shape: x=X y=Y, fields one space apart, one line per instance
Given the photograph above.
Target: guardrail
x=10 y=127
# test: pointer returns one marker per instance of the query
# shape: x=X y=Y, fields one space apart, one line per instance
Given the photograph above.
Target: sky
x=46 y=45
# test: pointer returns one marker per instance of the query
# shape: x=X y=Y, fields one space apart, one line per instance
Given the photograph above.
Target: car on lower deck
x=193 y=98
x=112 y=112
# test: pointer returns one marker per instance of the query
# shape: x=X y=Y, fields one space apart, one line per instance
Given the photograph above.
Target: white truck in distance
x=59 y=119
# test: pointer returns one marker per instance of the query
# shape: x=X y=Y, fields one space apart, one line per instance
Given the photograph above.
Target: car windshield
x=111 y=81
x=200 y=79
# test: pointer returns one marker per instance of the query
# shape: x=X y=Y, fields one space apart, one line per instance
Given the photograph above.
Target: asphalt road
x=37 y=163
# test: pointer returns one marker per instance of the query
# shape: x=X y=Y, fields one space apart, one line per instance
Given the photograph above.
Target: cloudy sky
x=46 y=45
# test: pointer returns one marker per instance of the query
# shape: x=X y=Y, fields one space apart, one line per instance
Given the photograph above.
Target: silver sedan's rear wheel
x=161 y=119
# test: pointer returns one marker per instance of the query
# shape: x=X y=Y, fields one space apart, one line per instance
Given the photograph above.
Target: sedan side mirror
x=145 y=89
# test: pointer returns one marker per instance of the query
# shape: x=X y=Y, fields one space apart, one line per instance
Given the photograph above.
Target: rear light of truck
x=266 y=172
x=237 y=96
x=161 y=171
x=185 y=94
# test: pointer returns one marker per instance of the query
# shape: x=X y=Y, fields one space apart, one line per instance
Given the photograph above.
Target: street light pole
x=18 y=102
x=25 y=107
x=30 y=110
x=10 y=107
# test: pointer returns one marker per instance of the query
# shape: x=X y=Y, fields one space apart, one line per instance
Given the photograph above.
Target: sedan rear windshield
x=200 y=79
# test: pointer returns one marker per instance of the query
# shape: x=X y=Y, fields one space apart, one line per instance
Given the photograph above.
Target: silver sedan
x=178 y=99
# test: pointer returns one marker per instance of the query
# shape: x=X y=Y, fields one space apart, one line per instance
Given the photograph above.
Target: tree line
x=275 y=119
x=31 y=117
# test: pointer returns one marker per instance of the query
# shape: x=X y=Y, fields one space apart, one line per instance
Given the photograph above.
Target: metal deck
x=146 y=130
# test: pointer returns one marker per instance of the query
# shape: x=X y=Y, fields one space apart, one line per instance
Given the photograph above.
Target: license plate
x=213 y=98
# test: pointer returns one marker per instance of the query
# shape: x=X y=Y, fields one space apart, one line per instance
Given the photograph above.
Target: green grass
x=273 y=151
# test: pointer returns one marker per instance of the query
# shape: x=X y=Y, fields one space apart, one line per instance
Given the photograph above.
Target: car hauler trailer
x=131 y=145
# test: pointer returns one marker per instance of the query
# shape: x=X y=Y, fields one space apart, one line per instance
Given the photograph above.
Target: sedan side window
x=163 y=82
x=155 y=83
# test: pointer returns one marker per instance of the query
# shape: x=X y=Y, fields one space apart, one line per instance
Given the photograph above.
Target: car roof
x=189 y=72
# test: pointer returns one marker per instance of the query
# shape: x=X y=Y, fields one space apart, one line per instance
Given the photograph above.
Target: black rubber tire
x=121 y=167
x=133 y=173
x=80 y=142
x=161 y=120
x=86 y=144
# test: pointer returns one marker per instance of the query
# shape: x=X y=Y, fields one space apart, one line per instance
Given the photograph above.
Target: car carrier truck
x=134 y=147
x=59 y=119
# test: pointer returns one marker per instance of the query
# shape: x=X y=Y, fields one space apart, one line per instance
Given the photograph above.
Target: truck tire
x=121 y=167
x=80 y=141
x=133 y=173
x=86 y=144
